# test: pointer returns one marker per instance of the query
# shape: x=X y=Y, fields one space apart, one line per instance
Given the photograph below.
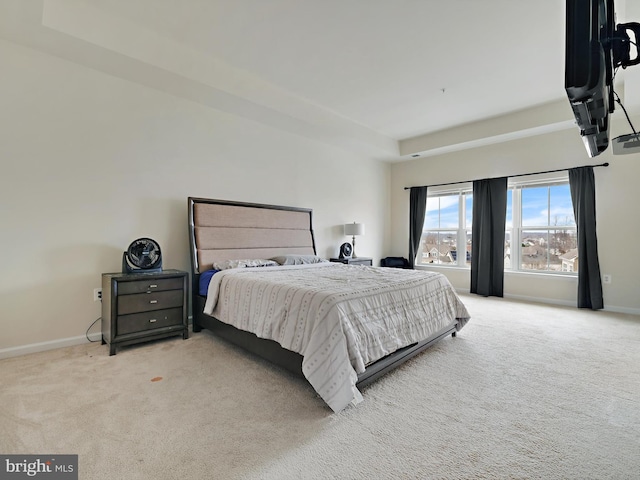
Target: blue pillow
x=205 y=278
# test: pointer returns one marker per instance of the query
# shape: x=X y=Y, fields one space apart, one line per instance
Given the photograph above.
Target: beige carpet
x=525 y=391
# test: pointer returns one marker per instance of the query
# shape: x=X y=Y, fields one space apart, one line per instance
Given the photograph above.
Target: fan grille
x=144 y=253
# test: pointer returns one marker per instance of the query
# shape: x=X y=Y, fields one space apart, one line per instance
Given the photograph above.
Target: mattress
x=339 y=317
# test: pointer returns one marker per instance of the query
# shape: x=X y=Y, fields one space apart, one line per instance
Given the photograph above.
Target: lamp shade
x=354 y=228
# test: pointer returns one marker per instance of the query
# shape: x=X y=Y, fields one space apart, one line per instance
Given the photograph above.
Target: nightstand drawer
x=138 y=322
x=144 y=302
x=151 y=285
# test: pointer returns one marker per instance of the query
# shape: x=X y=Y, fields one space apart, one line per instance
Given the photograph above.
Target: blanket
x=339 y=317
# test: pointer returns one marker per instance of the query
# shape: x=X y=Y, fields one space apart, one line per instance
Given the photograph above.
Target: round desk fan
x=142 y=256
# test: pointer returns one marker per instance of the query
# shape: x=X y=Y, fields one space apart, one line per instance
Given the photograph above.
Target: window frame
x=462 y=191
x=515 y=231
x=516 y=185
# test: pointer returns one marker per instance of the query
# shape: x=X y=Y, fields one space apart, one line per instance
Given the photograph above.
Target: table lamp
x=354 y=229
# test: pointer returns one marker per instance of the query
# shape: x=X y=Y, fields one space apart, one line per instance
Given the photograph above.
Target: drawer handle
x=153 y=320
x=153 y=286
x=153 y=301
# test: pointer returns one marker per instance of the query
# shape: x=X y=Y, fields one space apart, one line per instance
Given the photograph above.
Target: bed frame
x=225 y=230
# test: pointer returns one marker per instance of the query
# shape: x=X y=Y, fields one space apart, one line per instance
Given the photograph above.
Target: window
x=540 y=231
x=447 y=229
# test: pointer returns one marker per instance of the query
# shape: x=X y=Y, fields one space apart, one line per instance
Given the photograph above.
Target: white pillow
x=253 y=262
x=298 y=259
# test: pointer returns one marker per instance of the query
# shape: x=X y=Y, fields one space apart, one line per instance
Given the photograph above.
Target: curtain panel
x=583 y=196
x=417 y=210
x=487 y=236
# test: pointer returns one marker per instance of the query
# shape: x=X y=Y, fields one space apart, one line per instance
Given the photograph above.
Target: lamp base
x=353 y=244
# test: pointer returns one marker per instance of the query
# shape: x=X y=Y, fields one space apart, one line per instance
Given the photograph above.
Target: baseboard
x=630 y=311
x=565 y=303
x=44 y=346
x=561 y=303
x=51 y=345
x=546 y=301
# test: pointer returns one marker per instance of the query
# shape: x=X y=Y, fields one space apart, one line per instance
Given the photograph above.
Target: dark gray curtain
x=583 y=196
x=417 y=210
x=487 y=236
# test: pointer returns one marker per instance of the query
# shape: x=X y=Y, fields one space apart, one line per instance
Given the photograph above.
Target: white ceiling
x=381 y=63
x=378 y=71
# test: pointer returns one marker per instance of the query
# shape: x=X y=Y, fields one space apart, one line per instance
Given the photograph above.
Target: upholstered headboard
x=225 y=230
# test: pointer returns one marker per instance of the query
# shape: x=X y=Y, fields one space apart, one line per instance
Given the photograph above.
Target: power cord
x=619 y=102
x=87 y=332
x=617 y=99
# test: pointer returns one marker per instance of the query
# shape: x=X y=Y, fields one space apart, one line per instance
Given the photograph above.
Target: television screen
x=589 y=69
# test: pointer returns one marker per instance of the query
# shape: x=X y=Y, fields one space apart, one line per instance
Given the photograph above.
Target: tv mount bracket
x=621 y=45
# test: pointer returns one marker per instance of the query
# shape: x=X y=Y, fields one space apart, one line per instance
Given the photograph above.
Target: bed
x=339 y=326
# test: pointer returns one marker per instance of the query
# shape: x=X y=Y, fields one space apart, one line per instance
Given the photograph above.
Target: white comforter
x=339 y=317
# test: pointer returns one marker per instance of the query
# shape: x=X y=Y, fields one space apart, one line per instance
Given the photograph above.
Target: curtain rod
x=606 y=164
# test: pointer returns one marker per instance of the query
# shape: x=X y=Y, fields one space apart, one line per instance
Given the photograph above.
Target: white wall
x=617 y=200
x=91 y=162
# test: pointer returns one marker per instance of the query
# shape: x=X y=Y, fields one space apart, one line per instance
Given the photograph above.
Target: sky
x=542 y=206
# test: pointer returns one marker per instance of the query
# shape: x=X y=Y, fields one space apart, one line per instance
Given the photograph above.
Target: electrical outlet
x=97 y=294
x=606 y=278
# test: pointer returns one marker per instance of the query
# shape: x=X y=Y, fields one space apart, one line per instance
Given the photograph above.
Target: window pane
x=563 y=248
x=535 y=206
x=553 y=250
x=439 y=247
x=432 y=216
x=569 y=259
x=449 y=211
x=442 y=212
x=445 y=228
x=561 y=206
x=534 y=250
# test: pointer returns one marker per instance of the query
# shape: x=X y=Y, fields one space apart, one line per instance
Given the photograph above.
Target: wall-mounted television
x=594 y=48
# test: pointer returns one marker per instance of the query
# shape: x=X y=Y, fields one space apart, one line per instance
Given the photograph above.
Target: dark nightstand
x=138 y=307
x=354 y=261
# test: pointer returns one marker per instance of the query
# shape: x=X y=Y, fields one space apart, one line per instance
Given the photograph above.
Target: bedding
x=203 y=281
x=245 y=263
x=298 y=259
x=339 y=317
